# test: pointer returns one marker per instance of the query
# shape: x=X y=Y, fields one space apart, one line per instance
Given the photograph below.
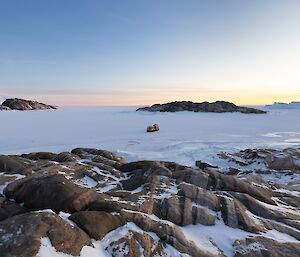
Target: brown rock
x=12 y=164
x=9 y=209
x=97 y=223
x=53 y=192
x=281 y=161
x=265 y=247
x=135 y=244
x=153 y=128
x=39 y=156
x=66 y=157
x=20 y=235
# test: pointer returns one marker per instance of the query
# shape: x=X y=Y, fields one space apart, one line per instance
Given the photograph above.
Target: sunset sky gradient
x=71 y=52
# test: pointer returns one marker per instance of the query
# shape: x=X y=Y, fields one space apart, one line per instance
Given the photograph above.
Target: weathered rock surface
x=9 y=208
x=53 y=192
x=20 y=235
x=97 y=223
x=24 y=105
x=265 y=247
x=149 y=208
x=12 y=164
x=219 y=107
x=135 y=243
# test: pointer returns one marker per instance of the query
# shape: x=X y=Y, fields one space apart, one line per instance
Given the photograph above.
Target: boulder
x=181 y=211
x=10 y=208
x=153 y=128
x=236 y=215
x=20 y=235
x=200 y=196
x=12 y=164
x=66 y=157
x=281 y=161
x=53 y=192
x=97 y=223
x=39 y=156
x=134 y=244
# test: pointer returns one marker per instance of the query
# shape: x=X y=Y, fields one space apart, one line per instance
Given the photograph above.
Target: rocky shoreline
x=93 y=200
x=24 y=105
x=218 y=107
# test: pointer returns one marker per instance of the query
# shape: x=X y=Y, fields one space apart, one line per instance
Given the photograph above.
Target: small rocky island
x=279 y=105
x=23 y=105
x=218 y=107
x=93 y=200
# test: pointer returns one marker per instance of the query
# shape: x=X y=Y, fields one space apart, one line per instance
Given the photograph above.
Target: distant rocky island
x=218 y=107
x=280 y=105
x=23 y=105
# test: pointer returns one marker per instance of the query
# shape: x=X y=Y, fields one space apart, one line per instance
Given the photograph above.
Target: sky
x=133 y=52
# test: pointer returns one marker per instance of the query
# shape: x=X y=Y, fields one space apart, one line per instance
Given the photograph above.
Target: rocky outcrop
x=93 y=198
x=285 y=159
x=265 y=166
x=24 y=105
x=218 y=106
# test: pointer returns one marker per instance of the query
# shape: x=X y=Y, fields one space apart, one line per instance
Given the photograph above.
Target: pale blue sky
x=141 y=52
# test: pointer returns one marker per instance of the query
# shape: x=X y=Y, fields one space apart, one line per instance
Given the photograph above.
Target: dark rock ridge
x=74 y=200
x=24 y=105
x=218 y=106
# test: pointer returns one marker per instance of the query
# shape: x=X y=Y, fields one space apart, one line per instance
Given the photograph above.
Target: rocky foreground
x=92 y=202
x=23 y=105
x=218 y=107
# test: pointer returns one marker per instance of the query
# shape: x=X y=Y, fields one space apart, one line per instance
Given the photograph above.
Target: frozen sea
x=184 y=136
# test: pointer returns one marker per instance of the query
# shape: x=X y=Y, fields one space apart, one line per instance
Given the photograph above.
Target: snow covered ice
x=184 y=137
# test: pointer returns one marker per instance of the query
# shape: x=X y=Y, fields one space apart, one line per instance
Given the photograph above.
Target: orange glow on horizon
x=146 y=97
x=149 y=100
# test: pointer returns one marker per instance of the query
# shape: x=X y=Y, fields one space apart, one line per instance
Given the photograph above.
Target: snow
x=108 y=185
x=87 y=182
x=47 y=250
x=220 y=235
x=13 y=177
x=280 y=237
x=184 y=137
